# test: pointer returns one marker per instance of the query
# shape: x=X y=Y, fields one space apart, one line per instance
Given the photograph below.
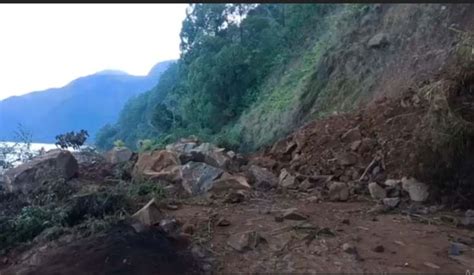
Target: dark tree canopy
x=72 y=139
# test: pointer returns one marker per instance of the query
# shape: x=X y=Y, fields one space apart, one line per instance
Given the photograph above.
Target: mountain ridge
x=87 y=102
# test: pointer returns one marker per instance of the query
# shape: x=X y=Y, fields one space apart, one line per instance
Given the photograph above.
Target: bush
x=72 y=139
x=119 y=143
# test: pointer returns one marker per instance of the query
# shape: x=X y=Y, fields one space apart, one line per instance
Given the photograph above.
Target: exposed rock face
x=118 y=155
x=199 y=177
x=150 y=163
x=53 y=165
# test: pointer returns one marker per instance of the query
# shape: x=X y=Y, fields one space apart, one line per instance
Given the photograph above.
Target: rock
x=379 y=249
x=305 y=185
x=286 y=179
x=351 y=135
x=468 y=218
x=378 y=41
x=294 y=214
x=183 y=146
x=199 y=177
x=223 y=222
x=231 y=154
x=245 y=241
x=393 y=192
x=349 y=248
x=172 y=206
x=88 y=157
x=149 y=215
x=377 y=192
x=208 y=153
x=455 y=249
x=355 y=145
x=262 y=178
x=392 y=183
x=172 y=174
x=418 y=191
x=170 y=226
x=150 y=163
x=235 y=196
x=52 y=166
x=118 y=155
x=346 y=158
x=264 y=162
x=338 y=191
x=229 y=182
x=391 y=202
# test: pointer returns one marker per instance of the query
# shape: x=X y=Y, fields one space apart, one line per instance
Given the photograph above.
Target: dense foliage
x=227 y=52
x=72 y=139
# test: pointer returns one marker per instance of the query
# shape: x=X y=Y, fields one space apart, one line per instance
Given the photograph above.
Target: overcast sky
x=48 y=45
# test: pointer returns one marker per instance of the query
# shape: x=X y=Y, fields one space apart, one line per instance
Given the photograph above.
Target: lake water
x=34 y=146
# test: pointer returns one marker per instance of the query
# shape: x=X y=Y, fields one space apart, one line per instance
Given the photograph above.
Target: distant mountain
x=88 y=103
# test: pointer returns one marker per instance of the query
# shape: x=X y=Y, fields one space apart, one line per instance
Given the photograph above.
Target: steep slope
x=86 y=103
x=286 y=64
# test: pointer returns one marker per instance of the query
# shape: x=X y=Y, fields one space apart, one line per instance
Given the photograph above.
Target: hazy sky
x=47 y=45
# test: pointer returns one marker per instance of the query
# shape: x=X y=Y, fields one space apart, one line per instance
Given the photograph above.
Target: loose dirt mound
x=119 y=251
x=423 y=134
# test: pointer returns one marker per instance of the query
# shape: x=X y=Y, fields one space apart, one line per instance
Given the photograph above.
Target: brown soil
x=409 y=246
x=118 y=251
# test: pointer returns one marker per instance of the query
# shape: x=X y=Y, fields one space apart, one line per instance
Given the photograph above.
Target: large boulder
x=210 y=154
x=228 y=182
x=262 y=178
x=88 y=157
x=192 y=150
x=199 y=177
x=151 y=163
x=418 y=191
x=53 y=165
x=183 y=146
x=118 y=155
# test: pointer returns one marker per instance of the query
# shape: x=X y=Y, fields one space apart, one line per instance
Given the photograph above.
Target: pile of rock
x=197 y=168
x=391 y=191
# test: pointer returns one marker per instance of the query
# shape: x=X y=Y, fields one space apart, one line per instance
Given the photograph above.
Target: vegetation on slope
x=246 y=83
x=223 y=66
